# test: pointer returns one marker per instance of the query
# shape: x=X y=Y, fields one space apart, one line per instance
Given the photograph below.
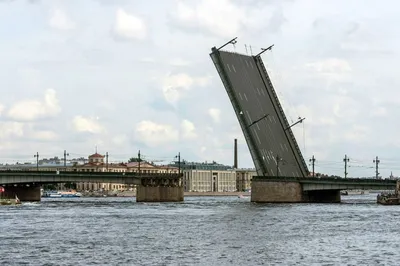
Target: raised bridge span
x=282 y=172
x=150 y=187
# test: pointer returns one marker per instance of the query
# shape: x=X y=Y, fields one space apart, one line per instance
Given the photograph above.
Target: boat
x=61 y=194
x=390 y=198
x=15 y=201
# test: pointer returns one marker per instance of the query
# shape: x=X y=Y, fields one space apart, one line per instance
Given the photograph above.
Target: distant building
x=185 y=165
x=244 y=177
x=209 y=180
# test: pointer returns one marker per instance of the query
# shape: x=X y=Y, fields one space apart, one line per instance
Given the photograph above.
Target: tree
x=134 y=160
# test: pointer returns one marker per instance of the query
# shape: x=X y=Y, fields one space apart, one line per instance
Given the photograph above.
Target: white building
x=209 y=180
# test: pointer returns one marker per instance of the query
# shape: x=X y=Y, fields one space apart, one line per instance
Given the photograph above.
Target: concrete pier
x=23 y=192
x=276 y=191
x=160 y=189
x=289 y=191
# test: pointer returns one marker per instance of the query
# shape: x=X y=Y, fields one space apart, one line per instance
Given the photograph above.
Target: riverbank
x=187 y=194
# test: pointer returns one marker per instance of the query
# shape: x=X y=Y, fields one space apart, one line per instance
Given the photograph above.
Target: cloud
x=153 y=134
x=2 y=107
x=215 y=114
x=86 y=124
x=226 y=18
x=120 y=139
x=330 y=66
x=59 y=20
x=128 y=26
x=46 y=135
x=11 y=129
x=188 y=129
x=221 y=18
x=29 y=110
x=175 y=85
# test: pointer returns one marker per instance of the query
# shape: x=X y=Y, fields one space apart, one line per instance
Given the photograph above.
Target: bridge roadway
x=328 y=183
x=152 y=187
x=43 y=177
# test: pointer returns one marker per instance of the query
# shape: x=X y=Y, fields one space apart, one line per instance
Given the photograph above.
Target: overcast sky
x=129 y=75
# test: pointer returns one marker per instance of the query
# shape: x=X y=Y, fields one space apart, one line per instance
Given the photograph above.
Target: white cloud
x=129 y=26
x=11 y=129
x=46 y=135
x=120 y=139
x=179 y=62
x=357 y=133
x=85 y=124
x=215 y=114
x=60 y=21
x=29 y=110
x=331 y=65
x=188 y=129
x=153 y=134
x=174 y=85
x=221 y=17
x=1 y=109
x=379 y=111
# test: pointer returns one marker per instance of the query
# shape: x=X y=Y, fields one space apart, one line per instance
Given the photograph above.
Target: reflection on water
x=199 y=231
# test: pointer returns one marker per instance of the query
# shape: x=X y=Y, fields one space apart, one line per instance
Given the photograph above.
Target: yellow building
x=96 y=164
x=243 y=178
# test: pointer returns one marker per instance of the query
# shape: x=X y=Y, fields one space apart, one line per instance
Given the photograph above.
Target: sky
x=125 y=76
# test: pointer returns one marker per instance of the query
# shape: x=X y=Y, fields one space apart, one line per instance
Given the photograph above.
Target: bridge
x=281 y=168
x=150 y=187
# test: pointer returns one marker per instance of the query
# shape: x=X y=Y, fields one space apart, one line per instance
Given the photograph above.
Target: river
x=200 y=231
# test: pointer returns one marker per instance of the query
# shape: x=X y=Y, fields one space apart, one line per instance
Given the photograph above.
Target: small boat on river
x=61 y=194
x=390 y=198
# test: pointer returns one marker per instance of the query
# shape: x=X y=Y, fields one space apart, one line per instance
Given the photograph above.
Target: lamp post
x=37 y=161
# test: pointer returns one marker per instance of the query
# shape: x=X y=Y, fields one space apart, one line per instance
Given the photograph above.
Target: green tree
x=134 y=160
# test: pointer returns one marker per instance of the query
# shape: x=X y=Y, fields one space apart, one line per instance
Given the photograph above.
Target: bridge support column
x=160 y=189
x=23 y=192
x=276 y=191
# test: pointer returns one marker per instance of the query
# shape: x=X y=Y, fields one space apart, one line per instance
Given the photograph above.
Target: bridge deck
x=310 y=184
x=28 y=177
x=260 y=115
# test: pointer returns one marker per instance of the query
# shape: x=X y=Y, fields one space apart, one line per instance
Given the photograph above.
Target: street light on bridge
x=65 y=159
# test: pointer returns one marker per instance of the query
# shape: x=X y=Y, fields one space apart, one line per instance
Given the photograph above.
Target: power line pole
x=312 y=160
x=139 y=162
x=37 y=160
x=179 y=162
x=376 y=161
x=107 y=161
x=65 y=159
x=345 y=160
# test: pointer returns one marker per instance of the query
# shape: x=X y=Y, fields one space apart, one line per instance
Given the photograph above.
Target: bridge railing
x=323 y=179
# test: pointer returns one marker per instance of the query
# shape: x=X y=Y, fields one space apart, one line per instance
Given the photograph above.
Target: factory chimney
x=235 y=154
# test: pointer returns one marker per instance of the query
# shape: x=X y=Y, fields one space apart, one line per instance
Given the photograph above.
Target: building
x=243 y=178
x=96 y=164
x=209 y=180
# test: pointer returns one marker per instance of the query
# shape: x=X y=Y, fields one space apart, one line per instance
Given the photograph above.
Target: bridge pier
x=289 y=191
x=23 y=192
x=160 y=189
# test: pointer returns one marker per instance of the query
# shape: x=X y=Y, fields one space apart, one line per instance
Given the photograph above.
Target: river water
x=200 y=231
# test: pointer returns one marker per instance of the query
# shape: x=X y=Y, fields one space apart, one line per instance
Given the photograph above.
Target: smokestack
x=235 y=154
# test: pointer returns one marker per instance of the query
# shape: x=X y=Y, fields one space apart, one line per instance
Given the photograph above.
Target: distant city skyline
x=126 y=76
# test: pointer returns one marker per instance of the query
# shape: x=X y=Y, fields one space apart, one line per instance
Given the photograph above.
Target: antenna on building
x=96 y=149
